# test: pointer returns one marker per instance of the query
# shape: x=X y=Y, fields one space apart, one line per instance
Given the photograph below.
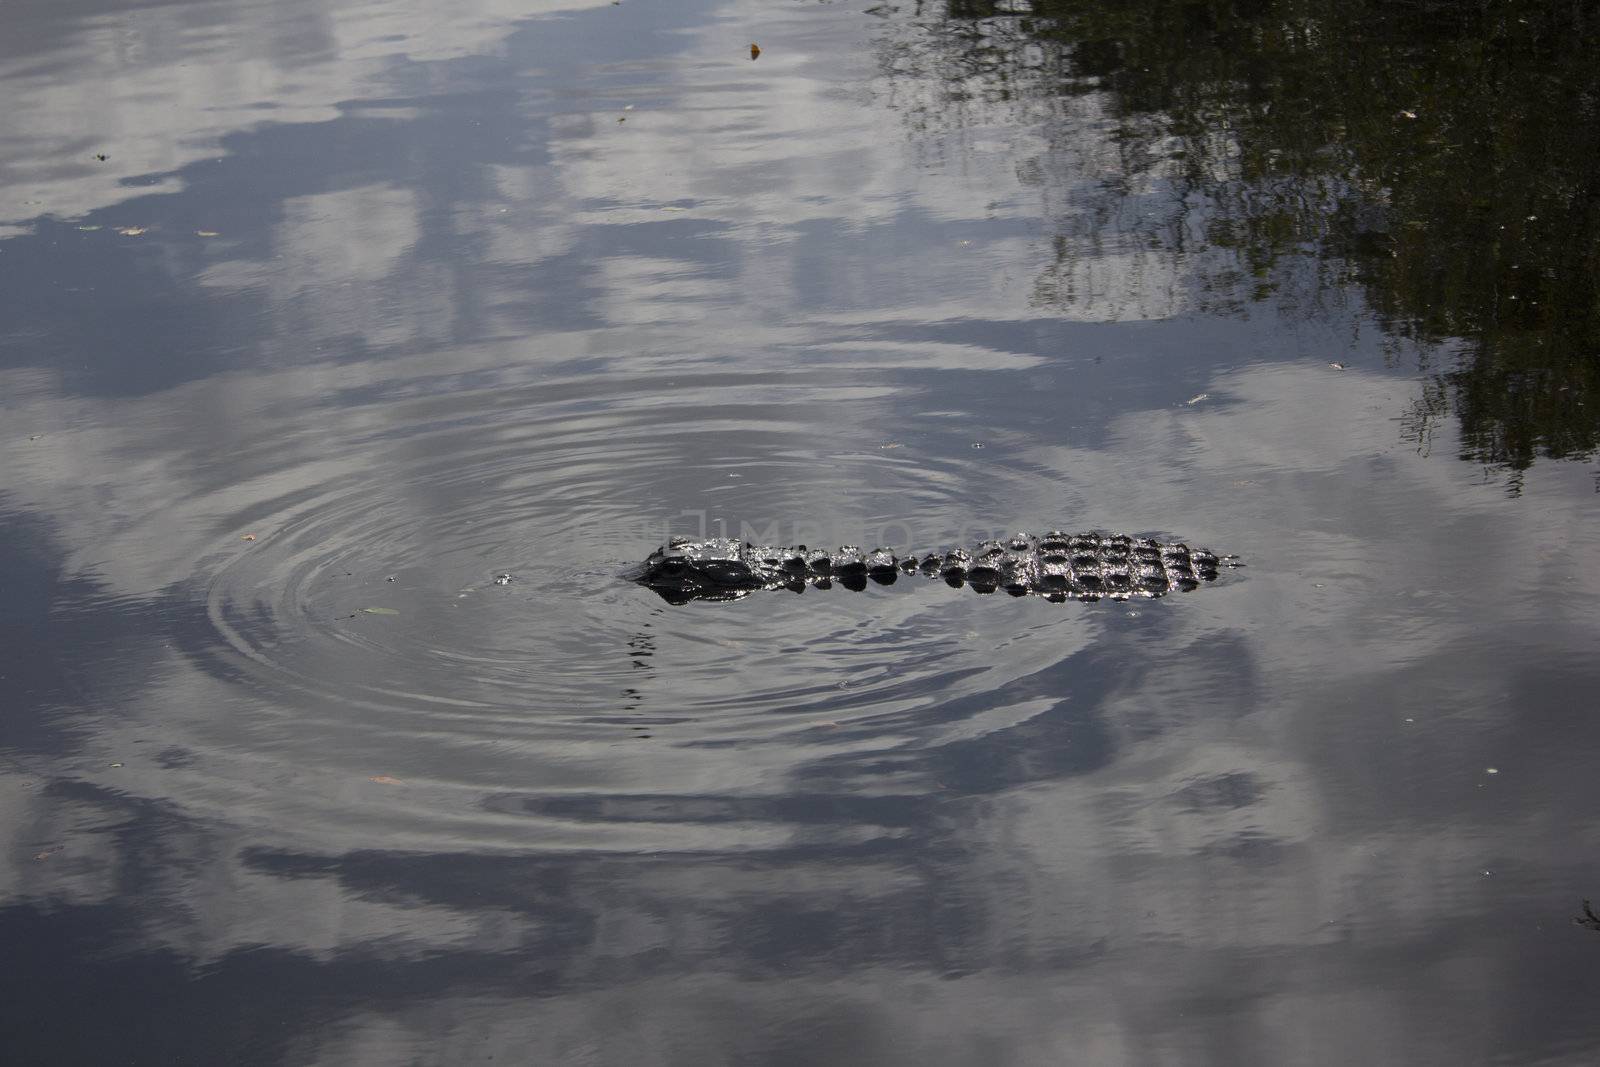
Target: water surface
x=370 y=301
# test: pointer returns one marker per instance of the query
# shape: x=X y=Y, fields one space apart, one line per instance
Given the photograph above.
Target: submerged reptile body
x=1054 y=565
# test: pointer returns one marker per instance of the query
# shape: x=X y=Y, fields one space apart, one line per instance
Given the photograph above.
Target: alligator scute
x=1055 y=565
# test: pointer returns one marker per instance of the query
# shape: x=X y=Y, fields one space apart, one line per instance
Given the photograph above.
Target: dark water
x=371 y=300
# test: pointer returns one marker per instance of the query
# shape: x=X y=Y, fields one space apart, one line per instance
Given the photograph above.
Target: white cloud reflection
x=1095 y=905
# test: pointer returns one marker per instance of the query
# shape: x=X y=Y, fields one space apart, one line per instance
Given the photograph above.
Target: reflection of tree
x=1444 y=156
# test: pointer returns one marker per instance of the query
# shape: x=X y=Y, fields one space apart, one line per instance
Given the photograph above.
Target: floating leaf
x=755 y=50
x=379 y=611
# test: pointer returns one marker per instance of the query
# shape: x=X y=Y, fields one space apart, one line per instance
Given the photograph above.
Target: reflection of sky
x=158 y=86
x=455 y=305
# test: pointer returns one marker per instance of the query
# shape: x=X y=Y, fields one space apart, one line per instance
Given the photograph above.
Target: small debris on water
x=384 y=779
x=1491 y=770
x=1336 y=365
x=101 y=156
x=132 y=231
x=391 y=578
x=248 y=537
x=977 y=444
x=755 y=50
x=207 y=233
x=47 y=853
x=379 y=611
x=1193 y=400
x=113 y=765
x=1406 y=113
x=504 y=579
x=35 y=436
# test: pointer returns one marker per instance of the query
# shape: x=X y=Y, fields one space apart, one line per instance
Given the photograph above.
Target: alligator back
x=1055 y=565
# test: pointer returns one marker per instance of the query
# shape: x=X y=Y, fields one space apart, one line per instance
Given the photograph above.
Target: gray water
x=370 y=301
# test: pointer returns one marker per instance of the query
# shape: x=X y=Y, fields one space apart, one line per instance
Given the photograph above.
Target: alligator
x=1057 y=566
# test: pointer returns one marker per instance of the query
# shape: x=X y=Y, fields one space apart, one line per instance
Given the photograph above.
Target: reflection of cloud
x=157 y=87
x=337 y=248
x=1199 y=810
x=1117 y=840
x=1206 y=845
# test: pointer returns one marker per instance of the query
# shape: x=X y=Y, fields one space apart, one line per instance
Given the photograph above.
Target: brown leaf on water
x=384 y=779
x=755 y=50
x=248 y=537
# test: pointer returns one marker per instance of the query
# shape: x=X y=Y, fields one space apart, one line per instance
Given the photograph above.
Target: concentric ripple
x=364 y=624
